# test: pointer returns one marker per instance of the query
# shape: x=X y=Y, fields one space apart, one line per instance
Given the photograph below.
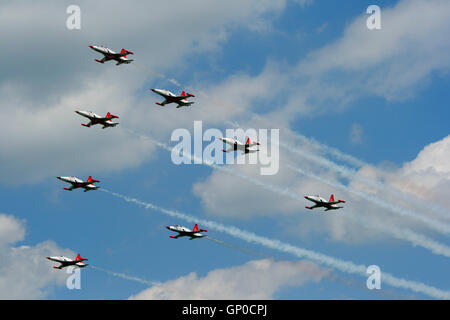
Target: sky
x=361 y=114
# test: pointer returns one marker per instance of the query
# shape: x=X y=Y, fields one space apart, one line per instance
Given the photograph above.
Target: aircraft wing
x=332 y=208
x=231 y=143
x=334 y=202
x=117 y=55
x=312 y=200
x=177 y=236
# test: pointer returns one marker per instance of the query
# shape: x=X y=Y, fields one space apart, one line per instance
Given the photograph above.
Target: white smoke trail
x=320 y=146
x=436 y=225
x=341 y=265
x=402 y=234
x=351 y=173
x=236 y=247
x=125 y=276
x=332 y=151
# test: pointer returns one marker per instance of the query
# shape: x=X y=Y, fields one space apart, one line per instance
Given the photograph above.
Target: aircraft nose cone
x=92 y=47
x=58 y=177
x=306 y=197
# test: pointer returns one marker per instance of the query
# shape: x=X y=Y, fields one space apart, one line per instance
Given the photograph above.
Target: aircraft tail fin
x=248 y=141
x=79 y=258
x=332 y=198
x=110 y=115
x=91 y=180
x=195 y=228
x=183 y=93
x=126 y=51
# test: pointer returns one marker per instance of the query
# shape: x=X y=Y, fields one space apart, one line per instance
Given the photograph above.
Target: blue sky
x=286 y=62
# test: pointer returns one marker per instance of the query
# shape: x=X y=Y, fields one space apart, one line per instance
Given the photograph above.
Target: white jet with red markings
x=169 y=97
x=320 y=202
x=78 y=183
x=186 y=232
x=66 y=262
x=237 y=145
x=106 y=121
x=120 y=57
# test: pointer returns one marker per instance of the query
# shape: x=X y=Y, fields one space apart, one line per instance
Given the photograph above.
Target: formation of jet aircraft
x=320 y=202
x=78 y=183
x=238 y=145
x=108 y=55
x=94 y=118
x=181 y=101
x=186 y=232
x=66 y=262
x=169 y=97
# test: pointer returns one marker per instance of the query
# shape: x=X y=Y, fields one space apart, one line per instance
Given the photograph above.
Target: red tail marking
x=332 y=198
x=79 y=258
x=91 y=180
x=248 y=141
x=108 y=115
x=183 y=93
x=195 y=228
x=127 y=51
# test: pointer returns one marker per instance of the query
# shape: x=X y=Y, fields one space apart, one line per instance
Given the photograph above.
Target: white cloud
x=428 y=175
x=390 y=62
x=42 y=136
x=24 y=272
x=259 y=279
